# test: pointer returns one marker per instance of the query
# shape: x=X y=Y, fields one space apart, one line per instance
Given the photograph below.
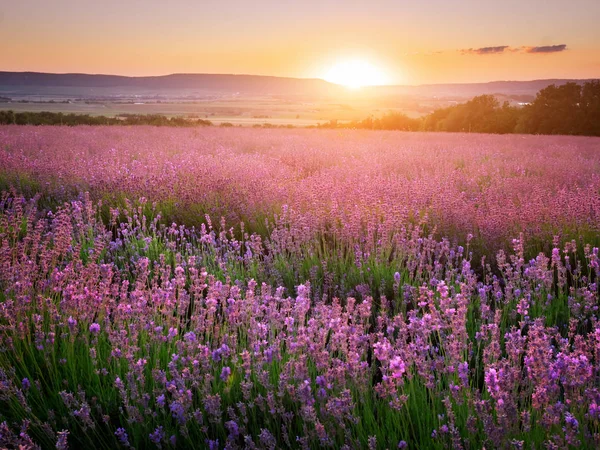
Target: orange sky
x=411 y=43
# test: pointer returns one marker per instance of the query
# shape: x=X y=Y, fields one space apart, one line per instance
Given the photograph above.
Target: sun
x=355 y=74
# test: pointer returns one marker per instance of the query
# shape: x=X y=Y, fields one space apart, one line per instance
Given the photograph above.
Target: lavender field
x=260 y=289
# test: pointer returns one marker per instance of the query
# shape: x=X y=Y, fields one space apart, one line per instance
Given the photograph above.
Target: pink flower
x=397 y=367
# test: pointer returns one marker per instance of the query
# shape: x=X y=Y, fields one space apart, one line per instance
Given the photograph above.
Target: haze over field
x=244 y=99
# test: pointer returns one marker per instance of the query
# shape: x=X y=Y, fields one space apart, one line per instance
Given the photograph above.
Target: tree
x=590 y=108
x=555 y=110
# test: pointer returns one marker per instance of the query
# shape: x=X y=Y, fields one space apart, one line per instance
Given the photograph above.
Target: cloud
x=486 y=50
x=546 y=49
x=506 y=49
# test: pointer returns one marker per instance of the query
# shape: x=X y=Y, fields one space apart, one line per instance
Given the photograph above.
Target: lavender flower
x=61 y=443
x=122 y=436
x=157 y=436
x=225 y=373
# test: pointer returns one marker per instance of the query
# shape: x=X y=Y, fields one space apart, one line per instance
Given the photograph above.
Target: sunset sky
x=409 y=42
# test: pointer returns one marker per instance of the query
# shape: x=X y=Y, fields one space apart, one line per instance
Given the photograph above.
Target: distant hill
x=261 y=85
x=246 y=84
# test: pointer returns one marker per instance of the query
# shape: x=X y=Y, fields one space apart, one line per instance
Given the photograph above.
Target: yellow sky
x=411 y=44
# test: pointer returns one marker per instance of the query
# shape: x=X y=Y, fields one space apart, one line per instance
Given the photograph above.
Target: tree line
x=567 y=109
x=571 y=108
x=58 y=118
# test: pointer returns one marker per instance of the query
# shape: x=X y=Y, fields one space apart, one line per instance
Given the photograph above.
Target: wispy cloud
x=486 y=50
x=547 y=49
x=506 y=49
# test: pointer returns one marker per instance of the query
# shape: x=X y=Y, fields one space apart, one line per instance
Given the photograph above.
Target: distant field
x=492 y=186
x=244 y=112
x=243 y=109
x=216 y=113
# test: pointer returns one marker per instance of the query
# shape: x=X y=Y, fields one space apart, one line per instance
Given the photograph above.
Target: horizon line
x=292 y=78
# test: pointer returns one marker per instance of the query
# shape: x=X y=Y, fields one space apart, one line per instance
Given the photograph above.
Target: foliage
x=482 y=114
x=569 y=109
x=566 y=109
x=389 y=121
x=52 y=118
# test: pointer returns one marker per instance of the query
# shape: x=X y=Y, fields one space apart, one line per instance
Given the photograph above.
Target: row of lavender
x=137 y=334
x=354 y=185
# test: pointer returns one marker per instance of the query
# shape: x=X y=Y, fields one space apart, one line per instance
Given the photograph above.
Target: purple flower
x=71 y=322
x=269 y=355
x=267 y=439
x=157 y=436
x=594 y=410
x=172 y=333
x=225 y=373
x=402 y=444
x=26 y=384
x=572 y=421
x=178 y=412
x=95 y=328
x=397 y=367
x=491 y=380
x=190 y=336
x=232 y=428
x=121 y=435
x=61 y=442
x=463 y=373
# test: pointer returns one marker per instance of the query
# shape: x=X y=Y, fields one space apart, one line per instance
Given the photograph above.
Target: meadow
x=268 y=288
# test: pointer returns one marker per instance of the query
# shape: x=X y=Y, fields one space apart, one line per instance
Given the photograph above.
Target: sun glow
x=355 y=74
